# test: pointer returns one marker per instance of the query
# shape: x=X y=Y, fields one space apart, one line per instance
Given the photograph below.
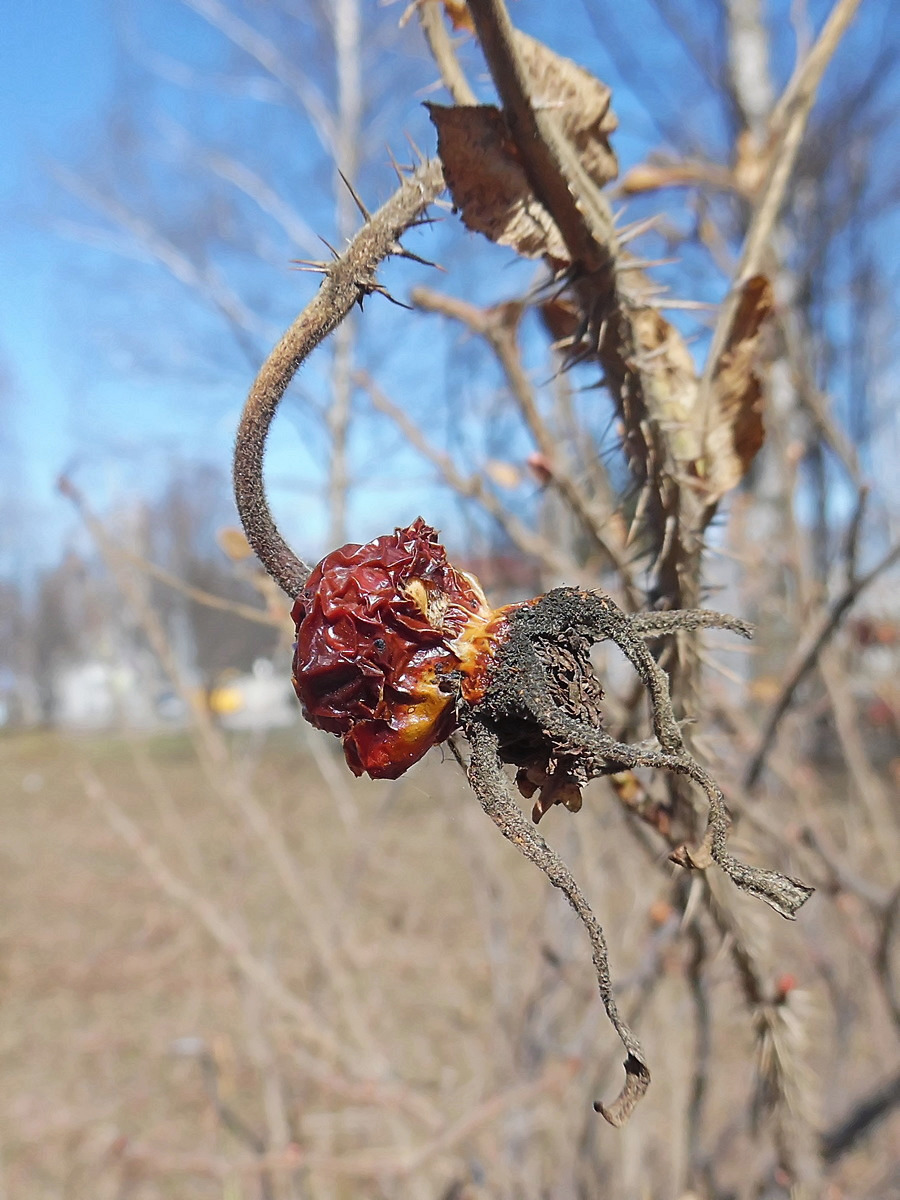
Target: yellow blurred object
x=233 y=543
x=766 y=689
x=225 y=700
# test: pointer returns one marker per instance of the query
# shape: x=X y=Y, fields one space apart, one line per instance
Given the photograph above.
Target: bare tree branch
x=431 y=18
x=806 y=658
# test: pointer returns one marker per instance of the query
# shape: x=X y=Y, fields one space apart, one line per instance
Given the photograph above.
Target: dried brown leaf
x=489 y=185
x=670 y=383
x=580 y=100
x=486 y=178
x=735 y=429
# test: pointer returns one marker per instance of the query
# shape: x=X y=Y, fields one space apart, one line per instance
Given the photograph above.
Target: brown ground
x=463 y=1040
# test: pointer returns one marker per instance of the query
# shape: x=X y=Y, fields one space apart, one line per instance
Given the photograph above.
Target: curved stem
x=348 y=279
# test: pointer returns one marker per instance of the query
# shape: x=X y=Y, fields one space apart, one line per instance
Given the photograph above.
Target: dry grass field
x=240 y=981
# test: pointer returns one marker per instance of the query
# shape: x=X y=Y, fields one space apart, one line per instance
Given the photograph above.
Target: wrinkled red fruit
x=378 y=626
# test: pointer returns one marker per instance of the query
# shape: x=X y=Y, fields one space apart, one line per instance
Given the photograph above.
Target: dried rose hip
x=378 y=627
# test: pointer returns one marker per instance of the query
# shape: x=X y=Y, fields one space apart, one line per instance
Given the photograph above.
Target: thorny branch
x=348 y=280
x=609 y=309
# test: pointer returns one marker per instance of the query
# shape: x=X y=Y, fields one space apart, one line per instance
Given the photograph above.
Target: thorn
x=593 y=387
x=311 y=265
x=643 y=264
x=581 y=329
x=424 y=221
x=328 y=244
x=575 y=356
x=399 y=251
x=552 y=288
x=371 y=286
x=382 y=291
x=366 y=215
x=397 y=171
x=629 y=232
x=415 y=149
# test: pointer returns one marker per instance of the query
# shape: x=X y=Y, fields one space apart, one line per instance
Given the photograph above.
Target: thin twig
x=700 y=1059
x=472 y=487
x=379 y=1163
x=310 y=1024
x=866 y=1112
x=431 y=19
x=806 y=658
x=498 y=327
x=314 y=911
x=199 y=595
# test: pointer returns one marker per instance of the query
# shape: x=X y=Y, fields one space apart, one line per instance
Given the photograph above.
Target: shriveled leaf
x=580 y=101
x=488 y=184
x=670 y=383
x=735 y=429
x=487 y=181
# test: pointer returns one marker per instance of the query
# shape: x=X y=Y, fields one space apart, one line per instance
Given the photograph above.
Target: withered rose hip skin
x=379 y=628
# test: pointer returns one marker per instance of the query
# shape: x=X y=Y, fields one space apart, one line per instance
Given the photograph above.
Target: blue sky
x=57 y=68
x=62 y=63
x=92 y=391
